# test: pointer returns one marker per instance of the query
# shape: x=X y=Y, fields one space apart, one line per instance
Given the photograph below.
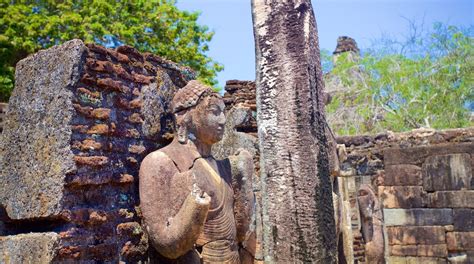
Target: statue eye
x=215 y=110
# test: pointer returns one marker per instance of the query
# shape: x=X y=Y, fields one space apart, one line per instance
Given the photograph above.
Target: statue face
x=208 y=120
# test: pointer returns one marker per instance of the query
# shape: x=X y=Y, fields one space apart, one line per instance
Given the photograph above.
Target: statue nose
x=221 y=119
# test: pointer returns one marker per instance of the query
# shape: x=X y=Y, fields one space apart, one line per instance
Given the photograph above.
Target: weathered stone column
x=297 y=202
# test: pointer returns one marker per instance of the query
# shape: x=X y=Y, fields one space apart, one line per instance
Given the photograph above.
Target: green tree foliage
x=426 y=81
x=155 y=26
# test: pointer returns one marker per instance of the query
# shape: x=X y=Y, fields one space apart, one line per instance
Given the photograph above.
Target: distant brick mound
x=345 y=44
x=80 y=120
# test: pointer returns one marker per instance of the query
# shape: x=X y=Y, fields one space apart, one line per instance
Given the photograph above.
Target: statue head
x=199 y=113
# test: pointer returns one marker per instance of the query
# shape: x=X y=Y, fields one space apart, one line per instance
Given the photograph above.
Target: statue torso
x=218 y=238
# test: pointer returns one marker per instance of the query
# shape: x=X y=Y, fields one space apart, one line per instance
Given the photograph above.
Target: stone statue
x=371 y=224
x=195 y=208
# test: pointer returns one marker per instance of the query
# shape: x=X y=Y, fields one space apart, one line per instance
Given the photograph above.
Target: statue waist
x=220 y=251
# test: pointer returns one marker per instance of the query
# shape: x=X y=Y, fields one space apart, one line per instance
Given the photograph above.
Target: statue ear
x=183 y=125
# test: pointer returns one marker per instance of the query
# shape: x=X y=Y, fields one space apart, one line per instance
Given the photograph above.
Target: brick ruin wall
x=421 y=179
x=107 y=113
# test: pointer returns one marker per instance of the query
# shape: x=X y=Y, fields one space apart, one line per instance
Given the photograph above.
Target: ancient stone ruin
x=82 y=118
x=403 y=197
x=79 y=122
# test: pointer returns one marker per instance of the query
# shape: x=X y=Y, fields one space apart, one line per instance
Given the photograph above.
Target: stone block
x=463 y=219
x=415 y=260
x=419 y=250
x=453 y=199
x=404 y=174
x=460 y=241
x=402 y=196
x=418 y=217
x=29 y=248
x=412 y=235
x=35 y=153
x=447 y=172
x=417 y=155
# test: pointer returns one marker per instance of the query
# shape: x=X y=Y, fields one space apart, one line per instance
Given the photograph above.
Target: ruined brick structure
x=80 y=120
x=423 y=180
x=69 y=171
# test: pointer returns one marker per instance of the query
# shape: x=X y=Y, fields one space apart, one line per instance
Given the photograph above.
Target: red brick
x=122 y=73
x=122 y=103
x=135 y=118
x=131 y=52
x=69 y=252
x=136 y=149
x=132 y=133
x=142 y=78
x=86 y=110
x=412 y=235
x=94 y=161
x=126 y=178
x=101 y=113
x=93 y=96
x=109 y=84
x=136 y=103
x=88 y=79
x=87 y=144
x=99 y=66
x=97 y=49
x=99 y=129
x=132 y=160
x=118 y=56
x=79 y=128
x=129 y=229
x=97 y=218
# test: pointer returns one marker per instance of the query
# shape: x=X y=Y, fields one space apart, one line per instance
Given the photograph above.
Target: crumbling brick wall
x=115 y=104
x=423 y=179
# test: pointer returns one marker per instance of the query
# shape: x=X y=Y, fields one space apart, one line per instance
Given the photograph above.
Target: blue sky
x=364 y=20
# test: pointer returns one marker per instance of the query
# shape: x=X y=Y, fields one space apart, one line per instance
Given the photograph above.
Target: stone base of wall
x=423 y=181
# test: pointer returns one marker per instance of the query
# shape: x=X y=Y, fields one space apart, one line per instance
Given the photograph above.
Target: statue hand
x=200 y=196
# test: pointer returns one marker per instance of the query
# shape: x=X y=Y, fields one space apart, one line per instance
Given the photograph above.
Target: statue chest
x=216 y=182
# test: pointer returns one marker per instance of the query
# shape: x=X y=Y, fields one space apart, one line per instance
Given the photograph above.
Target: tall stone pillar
x=297 y=202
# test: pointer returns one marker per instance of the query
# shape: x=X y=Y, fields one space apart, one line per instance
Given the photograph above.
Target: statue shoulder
x=157 y=157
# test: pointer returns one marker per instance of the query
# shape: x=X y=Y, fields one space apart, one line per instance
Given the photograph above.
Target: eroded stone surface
x=418 y=217
x=463 y=219
x=447 y=172
x=29 y=248
x=412 y=235
x=35 y=147
x=402 y=196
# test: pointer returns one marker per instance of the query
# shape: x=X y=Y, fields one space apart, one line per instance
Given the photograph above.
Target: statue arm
x=244 y=200
x=172 y=235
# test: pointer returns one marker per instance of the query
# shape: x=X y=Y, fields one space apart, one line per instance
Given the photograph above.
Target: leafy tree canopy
x=425 y=81
x=155 y=26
